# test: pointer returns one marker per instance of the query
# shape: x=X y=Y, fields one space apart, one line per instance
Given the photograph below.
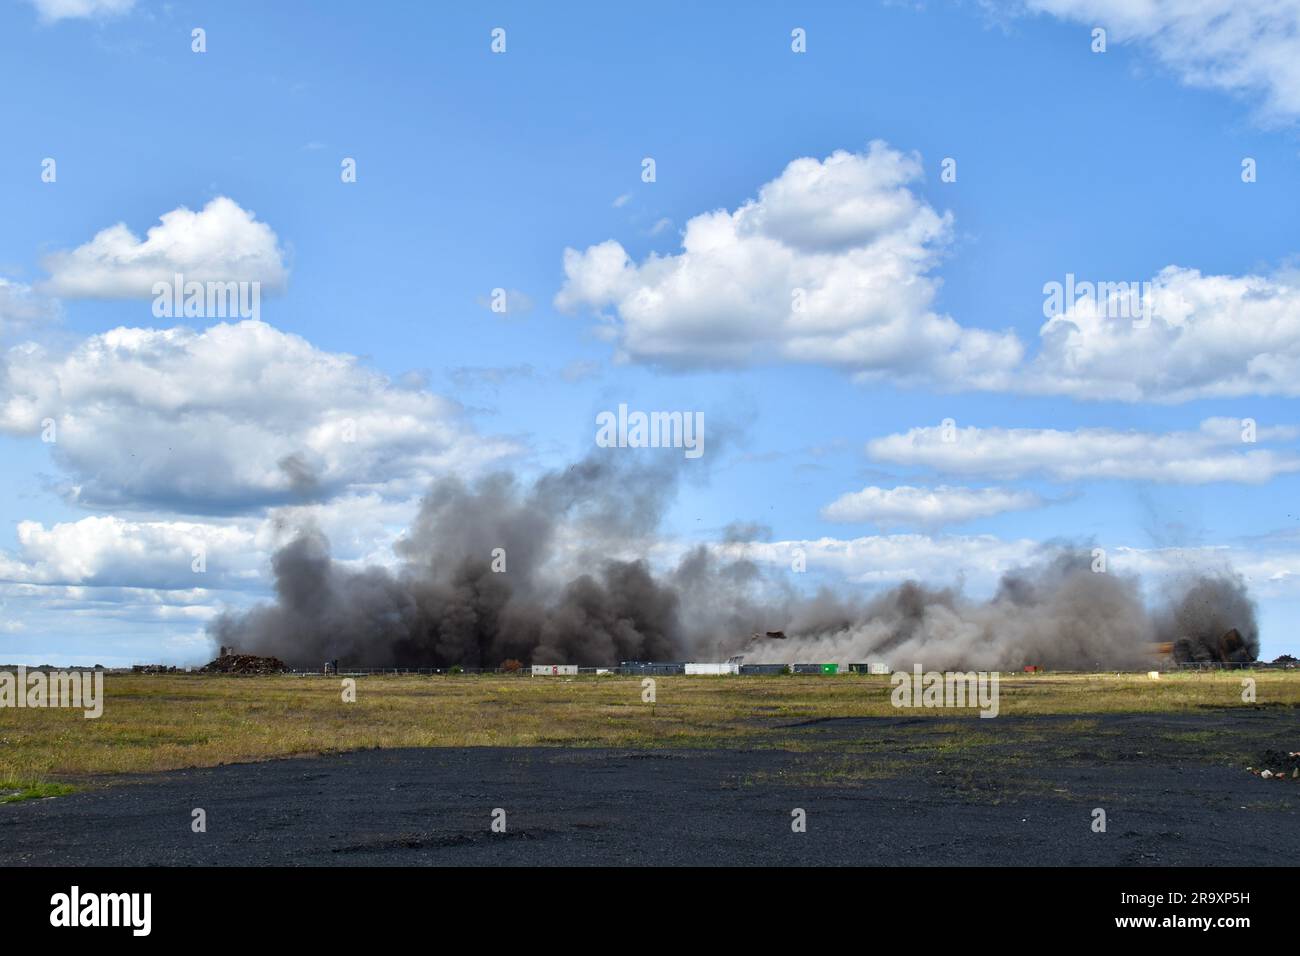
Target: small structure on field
x=871 y=667
x=555 y=670
x=764 y=668
x=715 y=670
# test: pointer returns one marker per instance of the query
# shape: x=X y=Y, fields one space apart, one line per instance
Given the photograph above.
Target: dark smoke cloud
x=562 y=597
x=1202 y=610
x=302 y=479
x=575 y=590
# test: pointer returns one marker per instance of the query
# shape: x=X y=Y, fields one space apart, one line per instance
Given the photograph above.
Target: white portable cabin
x=555 y=670
x=715 y=670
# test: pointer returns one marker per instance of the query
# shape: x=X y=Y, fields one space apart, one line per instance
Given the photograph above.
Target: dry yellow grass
x=173 y=721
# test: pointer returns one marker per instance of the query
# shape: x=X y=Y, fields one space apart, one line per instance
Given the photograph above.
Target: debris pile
x=1278 y=765
x=1230 y=647
x=153 y=669
x=245 y=664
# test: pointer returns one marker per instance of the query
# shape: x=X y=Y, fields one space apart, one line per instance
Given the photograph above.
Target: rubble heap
x=245 y=664
x=1278 y=765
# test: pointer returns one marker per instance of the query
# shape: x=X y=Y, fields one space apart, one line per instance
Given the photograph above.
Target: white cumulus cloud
x=932 y=507
x=1213 y=452
x=1207 y=337
x=111 y=551
x=830 y=264
x=1249 y=47
x=833 y=264
x=101 y=552
x=222 y=242
x=233 y=418
x=51 y=11
x=22 y=308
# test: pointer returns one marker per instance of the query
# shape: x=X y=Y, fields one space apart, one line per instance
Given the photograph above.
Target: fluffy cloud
x=110 y=551
x=51 y=11
x=1207 y=337
x=832 y=263
x=156 y=554
x=21 y=308
x=117 y=591
x=829 y=265
x=221 y=243
x=931 y=507
x=233 y=418
x=1214 y=452
x=1251 y=47
x=77 y=625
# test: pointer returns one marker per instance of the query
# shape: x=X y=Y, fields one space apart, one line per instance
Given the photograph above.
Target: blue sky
x=477 y=171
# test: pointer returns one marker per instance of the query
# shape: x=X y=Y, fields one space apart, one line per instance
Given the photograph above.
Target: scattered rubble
x=153 y=669
x=1279 y=764
x=245 y=664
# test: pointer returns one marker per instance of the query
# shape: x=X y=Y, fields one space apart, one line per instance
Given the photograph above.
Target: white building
x=555 y=670
x=731 y=667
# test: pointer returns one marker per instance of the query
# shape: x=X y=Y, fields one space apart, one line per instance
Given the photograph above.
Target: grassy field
x=165 y=722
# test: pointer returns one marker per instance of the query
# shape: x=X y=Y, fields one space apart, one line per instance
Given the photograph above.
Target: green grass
x=837 y=771
x=13 y=791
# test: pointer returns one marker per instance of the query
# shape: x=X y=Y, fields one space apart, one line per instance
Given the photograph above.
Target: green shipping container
x=830 y=668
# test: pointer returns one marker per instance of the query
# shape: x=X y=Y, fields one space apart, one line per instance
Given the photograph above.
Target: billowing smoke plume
x=1210 y=618
x=550 y=573
x=489 y=572
x=1058 y=614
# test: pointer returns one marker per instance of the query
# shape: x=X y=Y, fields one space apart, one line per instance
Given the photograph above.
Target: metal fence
x=638 y=670
x=1234 y=665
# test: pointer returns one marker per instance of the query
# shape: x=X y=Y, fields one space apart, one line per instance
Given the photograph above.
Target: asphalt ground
x=873 y=791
